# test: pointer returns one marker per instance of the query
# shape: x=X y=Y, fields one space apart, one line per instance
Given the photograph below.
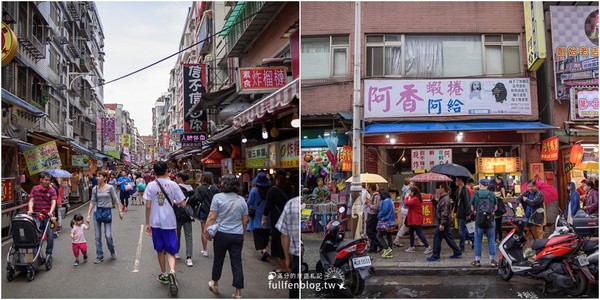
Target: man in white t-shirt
x=161 y=223
x=365 y=196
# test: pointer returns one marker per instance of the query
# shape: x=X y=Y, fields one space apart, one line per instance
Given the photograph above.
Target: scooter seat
x=343 y=245
x=589 y=246
x=539 y=244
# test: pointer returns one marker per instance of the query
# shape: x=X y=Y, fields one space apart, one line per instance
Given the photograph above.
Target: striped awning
x=277 y=100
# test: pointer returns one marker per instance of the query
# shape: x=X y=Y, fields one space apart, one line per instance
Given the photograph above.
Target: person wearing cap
x=257 y=200
x=532 y=202
x=490 y=232
x=277 y=197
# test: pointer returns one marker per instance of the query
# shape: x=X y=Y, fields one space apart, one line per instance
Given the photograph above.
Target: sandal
x=212 y=287
x=236 y=296
x=475 y=263
x=494 y=263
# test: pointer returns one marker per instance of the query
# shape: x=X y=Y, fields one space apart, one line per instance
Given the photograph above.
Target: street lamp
x=70 y=83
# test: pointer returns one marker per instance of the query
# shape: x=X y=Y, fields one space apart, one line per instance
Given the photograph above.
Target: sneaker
x=189 y=262
x=177 y=256
x=429 y=250
x=99 y=260
x=410 y=250
x=263 y=257
x=205 y=253
x=173 y=288
x=162 y=278
x=76 y=263
x=433 y=259
x=456 y=256
x=386 y=252
x=113 y=255
x=387 y=255
x=85 y=258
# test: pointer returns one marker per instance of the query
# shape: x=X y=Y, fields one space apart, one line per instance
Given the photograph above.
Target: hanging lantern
x=576 y=154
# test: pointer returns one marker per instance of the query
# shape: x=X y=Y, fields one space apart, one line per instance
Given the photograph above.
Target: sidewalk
x=404 y=263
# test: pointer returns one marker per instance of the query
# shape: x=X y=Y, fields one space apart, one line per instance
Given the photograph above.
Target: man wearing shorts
x=161 y=223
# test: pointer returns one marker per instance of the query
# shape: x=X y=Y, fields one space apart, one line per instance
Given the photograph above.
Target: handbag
x=181 y=214
x=471 y=227
x=102 y=214
x=383 y=225
x=211 y=230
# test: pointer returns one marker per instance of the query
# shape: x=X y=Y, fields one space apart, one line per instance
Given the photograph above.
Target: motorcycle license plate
x=363 y=261
x=583 y=260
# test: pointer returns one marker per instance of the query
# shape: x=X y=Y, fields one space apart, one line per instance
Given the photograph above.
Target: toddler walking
x=78 y=238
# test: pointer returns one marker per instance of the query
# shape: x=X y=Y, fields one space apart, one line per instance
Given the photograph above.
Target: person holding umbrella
x=532 y=202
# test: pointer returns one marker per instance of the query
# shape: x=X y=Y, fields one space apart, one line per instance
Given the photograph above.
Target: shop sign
x=80 y=161
x=346 y=159
x=289 y=151
x=176 y=134
x=447 y=97
x=9 y=44
x=486 y=165
x=263 y=80
x=239 y=165
x=114 y=154
x=425 y=159
x=371 y=160
x=535 y=37
x=42 y=157
x=165 y=140
x=226 y=166
x=428 y=213
x=273 y=156
x=193 y=139
x=194 y=87
x=257 y=157
x=536 y=171
x=584 y=104
x=7 y=190
x=110 y=138
x=125 y=140
x=99 y=136
x=550 y=149
x=575 y=42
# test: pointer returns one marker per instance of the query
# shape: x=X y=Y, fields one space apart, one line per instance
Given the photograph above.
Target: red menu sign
x=254 y=80
x=7 y=190
x=550 y=149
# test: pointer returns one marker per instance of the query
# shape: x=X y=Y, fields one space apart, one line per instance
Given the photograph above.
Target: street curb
x=437 y=271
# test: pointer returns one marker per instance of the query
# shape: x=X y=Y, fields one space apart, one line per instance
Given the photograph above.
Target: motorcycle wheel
x=581 y=284
x=357 y=284
x=504 y=270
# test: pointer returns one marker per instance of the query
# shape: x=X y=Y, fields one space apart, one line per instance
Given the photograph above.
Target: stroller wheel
x=30 y=273
x=48 y=262
x=10 y=273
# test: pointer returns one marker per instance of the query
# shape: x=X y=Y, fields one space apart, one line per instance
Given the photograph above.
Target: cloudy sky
x=137 y=34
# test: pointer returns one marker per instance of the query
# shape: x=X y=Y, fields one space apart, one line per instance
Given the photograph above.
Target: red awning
x=279 y=99
x=213 y=158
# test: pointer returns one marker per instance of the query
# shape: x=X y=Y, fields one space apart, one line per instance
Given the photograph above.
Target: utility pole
x=355 y=188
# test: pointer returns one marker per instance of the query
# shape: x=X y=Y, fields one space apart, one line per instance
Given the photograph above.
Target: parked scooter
x=558 y=260
x=345 y=260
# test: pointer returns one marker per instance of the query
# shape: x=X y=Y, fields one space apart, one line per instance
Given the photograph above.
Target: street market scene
x=449 y=149
x=124 y=123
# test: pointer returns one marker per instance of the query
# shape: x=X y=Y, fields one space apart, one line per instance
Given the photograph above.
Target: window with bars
x=398 y=55
x=324 y=57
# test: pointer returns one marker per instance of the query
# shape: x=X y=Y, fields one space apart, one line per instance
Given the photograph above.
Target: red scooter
x=344 y=260
x=558 y=260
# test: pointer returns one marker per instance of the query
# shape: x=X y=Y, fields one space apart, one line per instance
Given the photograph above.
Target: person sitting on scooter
x=532 y=202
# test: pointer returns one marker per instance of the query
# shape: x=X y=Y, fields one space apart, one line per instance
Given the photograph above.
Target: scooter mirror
x=342 y=210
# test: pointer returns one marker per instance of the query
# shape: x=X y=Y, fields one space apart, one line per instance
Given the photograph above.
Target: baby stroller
x=25 y=253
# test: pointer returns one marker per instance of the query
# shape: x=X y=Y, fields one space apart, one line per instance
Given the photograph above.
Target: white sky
x=139 y=33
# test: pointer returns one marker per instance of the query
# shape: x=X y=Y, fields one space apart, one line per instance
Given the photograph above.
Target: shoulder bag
x=102 y=214
x=181 y=214
x=211 y=230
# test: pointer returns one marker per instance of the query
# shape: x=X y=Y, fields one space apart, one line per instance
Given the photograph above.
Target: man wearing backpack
x=484 y=203
x=201 y=201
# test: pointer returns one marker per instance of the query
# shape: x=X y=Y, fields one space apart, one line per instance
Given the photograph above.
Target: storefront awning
x=79 y=148
x=281 y=98
x=213 y=158
x=8 y=96
x=412 y=127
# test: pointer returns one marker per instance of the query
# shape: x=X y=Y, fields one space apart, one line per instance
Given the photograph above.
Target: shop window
x=324 y=57
x=393 y=55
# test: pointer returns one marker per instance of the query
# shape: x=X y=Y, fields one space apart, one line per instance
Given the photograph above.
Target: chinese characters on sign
x=194 y=82
x=536 y=171
x=257 y=157
x=80 y=161
x=427 y=213
x=262 y=79
x=165 y=140
x=110 y=139
x=346 y=159
x=289 y=152
x=448 y=97
x=510 y=164
x=550 y=149
x=7 y=190
x=126 y=140
x=584 y=104
x=425 y=159
x=42 y=157
x=193 y=140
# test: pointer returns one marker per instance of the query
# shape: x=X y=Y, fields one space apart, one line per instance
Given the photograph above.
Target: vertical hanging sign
x=194 y=79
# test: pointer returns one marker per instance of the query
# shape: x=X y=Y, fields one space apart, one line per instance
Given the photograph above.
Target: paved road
x=121 y=278
x=446 y=287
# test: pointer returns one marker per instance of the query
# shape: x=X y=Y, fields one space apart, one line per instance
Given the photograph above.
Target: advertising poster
x=425 y=159
x=584 y=104
x=110 y=137
x=575 y=47
x=42 y=157
x=80 y=161
x=550 y=149
x=447 y=97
